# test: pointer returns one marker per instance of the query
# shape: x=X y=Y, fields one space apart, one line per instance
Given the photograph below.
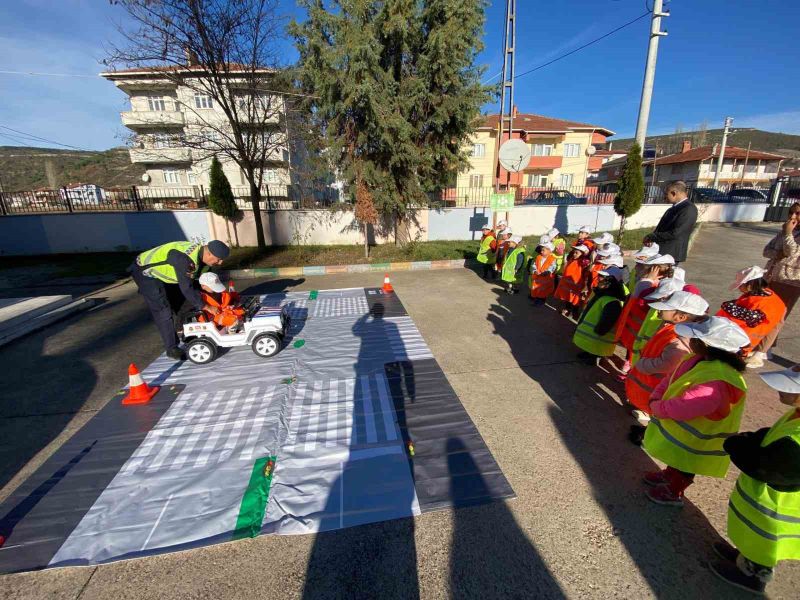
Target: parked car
x=553 y=197
x=747 y=195
x=708 y=194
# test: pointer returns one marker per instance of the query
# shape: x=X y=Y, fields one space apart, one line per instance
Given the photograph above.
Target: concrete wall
x=98 y=232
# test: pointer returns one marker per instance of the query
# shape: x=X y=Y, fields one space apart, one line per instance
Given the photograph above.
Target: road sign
x=502 y=201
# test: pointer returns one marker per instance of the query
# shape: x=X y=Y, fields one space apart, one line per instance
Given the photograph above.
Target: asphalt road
x=580 y=526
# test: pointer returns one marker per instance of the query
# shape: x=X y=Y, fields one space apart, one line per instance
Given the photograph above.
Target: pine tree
x=395 y=91
x=220 y=196
x=630 y=190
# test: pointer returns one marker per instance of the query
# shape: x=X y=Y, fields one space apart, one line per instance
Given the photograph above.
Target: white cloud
x=783 y=122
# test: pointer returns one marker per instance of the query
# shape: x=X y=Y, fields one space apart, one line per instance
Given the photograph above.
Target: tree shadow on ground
x=669 y=546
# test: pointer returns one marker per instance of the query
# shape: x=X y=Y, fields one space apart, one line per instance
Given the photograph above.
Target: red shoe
x=663 y=495
x=655 y=478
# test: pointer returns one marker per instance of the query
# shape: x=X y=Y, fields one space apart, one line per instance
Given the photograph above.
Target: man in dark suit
x=675 y=227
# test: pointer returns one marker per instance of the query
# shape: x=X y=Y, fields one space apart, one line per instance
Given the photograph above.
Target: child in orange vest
x=543 y=270
x=229 y=314
x=573 y=280
x=503 y=237
x=758 y=310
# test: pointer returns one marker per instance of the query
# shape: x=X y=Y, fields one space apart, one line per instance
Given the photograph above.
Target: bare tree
x=225 y=53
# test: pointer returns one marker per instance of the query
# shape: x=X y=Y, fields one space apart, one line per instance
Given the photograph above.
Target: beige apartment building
x=562 y=152
x=178 y=129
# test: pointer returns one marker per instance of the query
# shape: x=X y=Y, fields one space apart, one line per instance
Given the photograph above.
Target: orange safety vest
x=543 y=283
x=639 y=386
x=572 y=282
x=772 y=306
x=630 y=322
x=229 y=312
x=594 y=273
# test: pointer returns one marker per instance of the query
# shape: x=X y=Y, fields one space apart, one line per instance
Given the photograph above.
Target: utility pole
x=728 y=121
x=746 y=159
x=650 y=72
x=507 y=94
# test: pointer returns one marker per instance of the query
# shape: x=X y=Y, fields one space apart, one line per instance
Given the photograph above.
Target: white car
x=263 y=329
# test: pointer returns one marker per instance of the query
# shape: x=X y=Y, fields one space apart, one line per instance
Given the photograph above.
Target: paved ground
x=580 y=526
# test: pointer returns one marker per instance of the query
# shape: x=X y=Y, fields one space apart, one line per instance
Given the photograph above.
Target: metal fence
x=786 y=192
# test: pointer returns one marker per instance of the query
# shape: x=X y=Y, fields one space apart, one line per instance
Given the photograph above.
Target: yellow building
x=561 y=153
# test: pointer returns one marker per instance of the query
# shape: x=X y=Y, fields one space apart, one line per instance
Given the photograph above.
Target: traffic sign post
x=502 y=201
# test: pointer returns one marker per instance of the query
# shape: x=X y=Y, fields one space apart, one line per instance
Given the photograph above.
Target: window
x=478 y=150
x=191 y=177
x=156 y=103
x=202 y=101
x=172 y=176
x=537 y=180
x=565 y=180
x=270 y=176
x=161 y=140
x=542 y=149
x=572 y=150
x=475 y=181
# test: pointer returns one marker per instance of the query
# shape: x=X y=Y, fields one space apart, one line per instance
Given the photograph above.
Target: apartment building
x=562 y=152
x=177 y=129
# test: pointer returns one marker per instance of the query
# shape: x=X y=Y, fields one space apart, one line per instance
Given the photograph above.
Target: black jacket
x=776 y=464
x=674 y=229
x=611 y=311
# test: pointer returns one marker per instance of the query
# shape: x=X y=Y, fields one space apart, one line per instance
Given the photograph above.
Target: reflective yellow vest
x=695 y=446
x=509 y=273
x=764 y=523
x=650 y=326
x=485 y=254
x=153 y=262
x=585 y=337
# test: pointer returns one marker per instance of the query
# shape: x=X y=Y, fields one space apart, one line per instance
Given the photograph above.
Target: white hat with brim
x=502 y=223
x=553 y=233
x=544 y=239
x=684 y=302
x=717 y=332
x=485 y=227
x=548 y=245
x=613 y=271
x=584 y=229
x=605 y=238
x=517 y=239
x=609 y=249
x=748 y=274
x=211 y=281
x=615 y=261
x=582 y=248
x=666 y=287
x=660 y=259
x=645 y=252
x=787 y=381
x=507 y=231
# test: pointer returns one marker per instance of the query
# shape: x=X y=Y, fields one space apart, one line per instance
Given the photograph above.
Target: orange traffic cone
x=140 y=392
x=387 y=285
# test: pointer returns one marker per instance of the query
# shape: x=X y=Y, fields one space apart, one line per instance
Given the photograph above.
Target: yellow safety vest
x=695 y=446
x=485 y=254
x=585 y=337
x=650 y=326
x=154 y=262
x=764 y=523
x=509 y=273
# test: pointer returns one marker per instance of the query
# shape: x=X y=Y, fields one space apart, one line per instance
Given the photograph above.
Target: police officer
x=164 y=276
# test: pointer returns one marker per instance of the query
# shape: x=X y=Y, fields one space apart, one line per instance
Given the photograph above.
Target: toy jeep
x=263 y=329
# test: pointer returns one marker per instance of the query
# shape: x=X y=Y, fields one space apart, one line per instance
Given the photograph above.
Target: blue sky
x=720 y=58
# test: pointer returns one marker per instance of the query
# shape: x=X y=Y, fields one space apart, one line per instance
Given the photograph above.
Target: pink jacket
x=712 y=400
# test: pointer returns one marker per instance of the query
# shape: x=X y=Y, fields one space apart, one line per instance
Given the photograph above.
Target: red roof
x=541 y=124
x=706 y=152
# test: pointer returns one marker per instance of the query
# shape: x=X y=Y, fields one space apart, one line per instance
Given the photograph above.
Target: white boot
x=756 y=360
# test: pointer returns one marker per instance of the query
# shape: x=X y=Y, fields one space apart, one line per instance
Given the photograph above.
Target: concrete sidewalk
x=580 y=526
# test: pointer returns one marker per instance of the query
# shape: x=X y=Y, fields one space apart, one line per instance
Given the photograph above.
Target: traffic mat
x=357 y=424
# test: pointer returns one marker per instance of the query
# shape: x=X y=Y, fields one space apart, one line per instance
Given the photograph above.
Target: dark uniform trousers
x=164 y=301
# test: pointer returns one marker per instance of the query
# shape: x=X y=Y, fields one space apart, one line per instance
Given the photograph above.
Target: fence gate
x=785 y=192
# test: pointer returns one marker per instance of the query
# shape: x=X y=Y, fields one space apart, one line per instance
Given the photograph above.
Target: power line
x=41 y=139
x=15 y=138
x=586 y=45
x=48 y=74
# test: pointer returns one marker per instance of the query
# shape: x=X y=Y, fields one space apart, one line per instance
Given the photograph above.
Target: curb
x=424 y=265
x=692 y=237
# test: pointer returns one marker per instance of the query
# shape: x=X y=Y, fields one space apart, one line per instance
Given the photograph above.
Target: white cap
x=613 y=271
x=487 y=226
x=615 y=260
x=684 y=302
x=660 y=259
x=553 y=233
x=584 y=229
x=679 y=273
x=211 y=280
x=502 y=223
x=507 y=231
x=517 y=239
x=605 y=238
x=666 y=287
x=609 y=249
x=787 y=381
x=582 y=248
x=717 y=332
x=548 y=245
x=544 y=239
x=746 y=275
x=645 y=252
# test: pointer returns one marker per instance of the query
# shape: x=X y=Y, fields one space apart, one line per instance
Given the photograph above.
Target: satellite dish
x=591 y=150
x=514 y=155
x=146 y=178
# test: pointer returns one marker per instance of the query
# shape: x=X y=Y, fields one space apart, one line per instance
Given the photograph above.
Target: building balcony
x=161 y=155
x=545 y=162
x=153 y=118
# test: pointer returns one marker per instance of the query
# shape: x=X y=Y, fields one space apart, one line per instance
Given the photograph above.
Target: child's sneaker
x=663 y=495
x=756 y=361
x=655 y=478
x=729 y=571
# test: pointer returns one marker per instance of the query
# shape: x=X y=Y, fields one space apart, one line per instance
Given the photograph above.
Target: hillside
x=767 y=141
x=26 y=168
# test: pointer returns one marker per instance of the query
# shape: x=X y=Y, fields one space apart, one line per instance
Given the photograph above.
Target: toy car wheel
x=266 y=345
x=201 y=351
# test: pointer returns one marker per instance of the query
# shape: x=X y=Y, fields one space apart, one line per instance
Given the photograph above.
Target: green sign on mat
x=502 y=201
